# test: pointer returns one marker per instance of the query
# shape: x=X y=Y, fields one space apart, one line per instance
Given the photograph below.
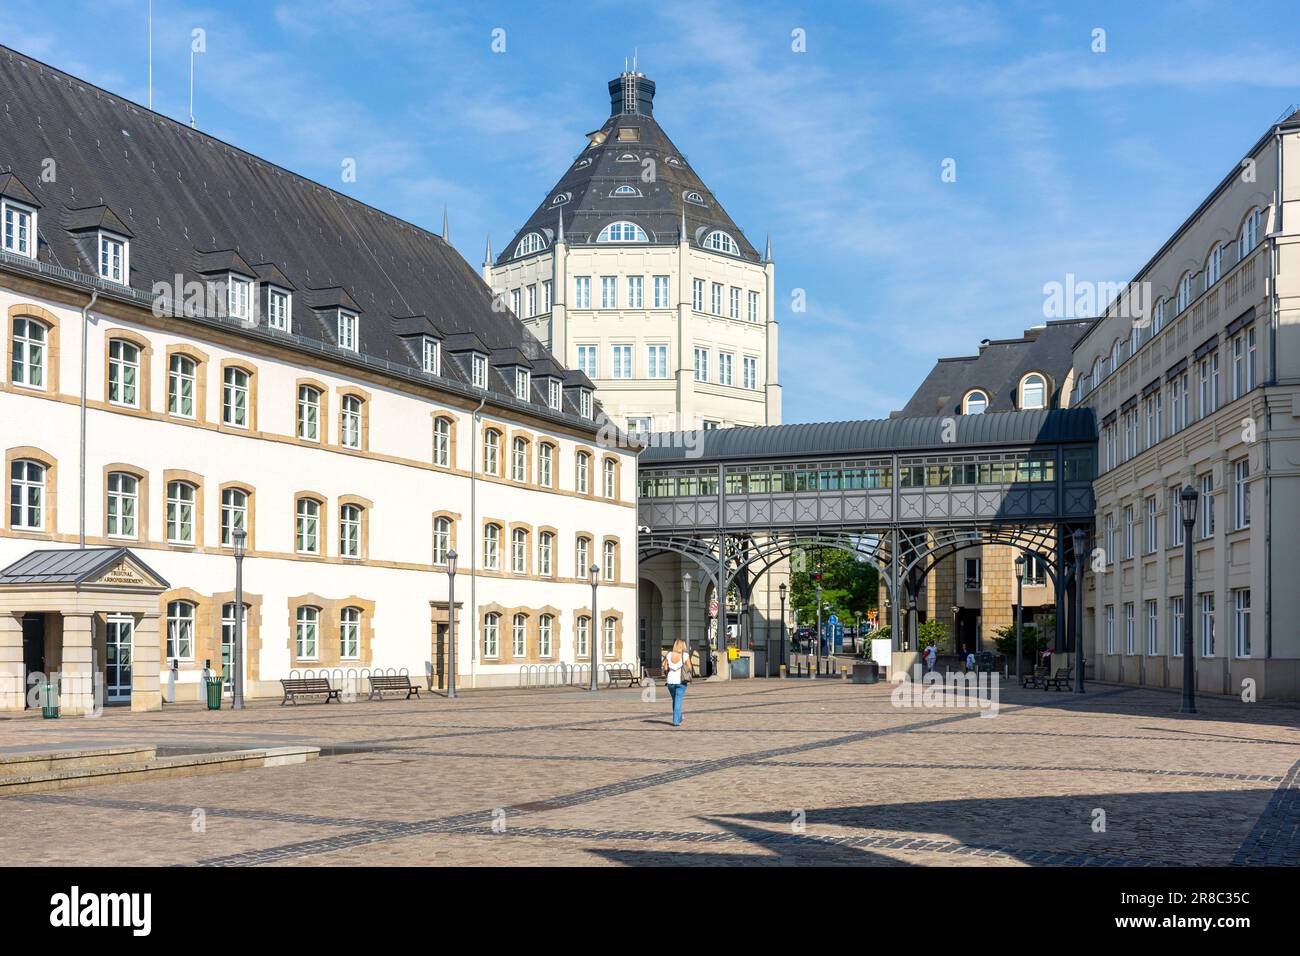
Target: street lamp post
x=785 y=637
x=239 y=538
x=1187 y=501
x=593 y=574
x=451 y=624
x=686 y=609
x=1020 y=604
x=1079 y=538
x=819 y=623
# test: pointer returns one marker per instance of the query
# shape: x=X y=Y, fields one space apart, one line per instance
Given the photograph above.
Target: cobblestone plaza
x=792 y=772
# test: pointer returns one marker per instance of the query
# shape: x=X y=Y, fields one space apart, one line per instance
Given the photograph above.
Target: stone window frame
x=366 y=506
x=351 y=391
x=195 y=480
x=581 y=453
x=503 y=542
x=251 y=371
x=250 y=521
x=453 y=517
x=527 y=529
x=605 y=462
x=322 y=412
x=322 y=519
x=328 y=630
x=484 y=612
x=201 y=362
x=144 y=383
x=500 y=432
x=141 y=477
x=555 y=551
x=49 y=494
x=451 y=440
x=28 y=310
x=617 y=542
x=555 y=462
x=591 y=541
x=528 y=440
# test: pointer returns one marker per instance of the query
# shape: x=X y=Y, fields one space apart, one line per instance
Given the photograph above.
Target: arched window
x=622 y=231
x=181 y=378
x=533 y=242
x=610 y=563
x=234 y=397
x=583 y=468
x=976 y=403
x=442 y=442
x=545 y=553
x=492 y=635
x=611 y=478
x=27 y=495
x=1033 y=391
x=441 y=539
x=28 y=361
x=519 y=635
x=180 y=512
x=611 y=636
x=546 y=636
x=308 y=413
x=350 y=633
x=626 y=190
x=492 y=547
x=350 y=531
x=234 y=514
x=492 y=451
x=519 y=551
x=1116 y=354
x=582 y=557
x=561 y=198
x=1098 y=369
x=1184 y=291
x=307 y=526
x=719 y=241
x=228 y=641
x=306 y=633
x=1248 y=239
x=545 y=460
x=123 y=373
x=693 y=197
x=1213 y=266
x=180 y=630
x=350 y=421
x=1158 y=316
x=519 y=459
x=123 y=505
x=582 y=634
x=1134 y=339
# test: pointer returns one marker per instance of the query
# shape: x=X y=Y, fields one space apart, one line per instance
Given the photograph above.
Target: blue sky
x=1067 y=160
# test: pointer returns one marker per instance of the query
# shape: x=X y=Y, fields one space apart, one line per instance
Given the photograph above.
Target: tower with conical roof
x=631 y=270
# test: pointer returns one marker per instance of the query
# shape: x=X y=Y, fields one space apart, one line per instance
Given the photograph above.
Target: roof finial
x=445 y=231
x=767 y=256
x=487 y=256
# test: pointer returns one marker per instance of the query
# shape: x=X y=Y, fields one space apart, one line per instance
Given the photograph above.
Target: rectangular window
x=347 y=330
x=716 y=303
x=554 y=394
x=636 y=292
x=1110 y=629
x=735 y=302
x=661 y=292
x=523 y=385
x=112 y=258
x=277 y=310
x=1130 y=632
x=750 y=372
x=1240 y=494
x=123 y=501
x=1174 y=510
x=532 y=300
x=697 y=295
x=753 y=306
x=19 y=228
x=582 y=292
x=234 y=398
x=588 y=363
x=1153 y=628
x=306 y=632
x=350 y=633
x=586 y=408
x=1207 y=507
x=1207 y=624
x=622 y=361
x=180 y=513
x=123 y=373
x=350 y=531
x=1152 y=524
x=547 y=296
x=657 y=361
x=1130 y=531
x=1110 y=539
x=430 y=355
x=1241 y=622
x=307 y=526
x=640 y=425
x=609 y=292
x=515 y=304
x=1176 y=627
x=238 y=298
x=480 y=373
x=701 y=364
x=725 y=363
x=1250 y=358
x=181 y=379
x=350 y=421
x=972 y=574
x=308 y=413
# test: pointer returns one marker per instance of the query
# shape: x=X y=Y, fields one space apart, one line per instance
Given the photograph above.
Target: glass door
x=117 y=660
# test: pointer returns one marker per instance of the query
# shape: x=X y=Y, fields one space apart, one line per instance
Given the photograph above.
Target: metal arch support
x=952 y=542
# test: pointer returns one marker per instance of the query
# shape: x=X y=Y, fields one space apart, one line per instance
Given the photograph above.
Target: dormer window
x=584 y=403
x=622 y=232
x=479 y=368
x=554 y=394
x=238 y=297
x=1033 y=391
x=533 y=242
x=626 y=190
x=719 y=241
x=113 y=258
x=430 y=356
x=19 y=229
x=278 y=311
x=693 y=196
x=976 y=403
x=561 y=198
x=628 y=158
x=347 y=337
x=522 y=390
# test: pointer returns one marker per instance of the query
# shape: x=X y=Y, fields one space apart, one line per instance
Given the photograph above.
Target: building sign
x=122 y=574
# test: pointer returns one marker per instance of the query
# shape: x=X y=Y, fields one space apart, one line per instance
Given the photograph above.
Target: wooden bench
x=616 y=674
x=296 y=687
x=395 y=682
x=1062 y=676
x=1037 y=679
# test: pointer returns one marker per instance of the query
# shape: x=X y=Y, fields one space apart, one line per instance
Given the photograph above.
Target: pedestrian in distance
x=677 y=665
x=930 y=656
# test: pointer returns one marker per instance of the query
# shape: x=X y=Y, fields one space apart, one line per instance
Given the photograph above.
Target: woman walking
x=678 y=668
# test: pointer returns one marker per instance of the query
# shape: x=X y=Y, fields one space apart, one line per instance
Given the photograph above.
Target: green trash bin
x=214 y=693
x=50 y=700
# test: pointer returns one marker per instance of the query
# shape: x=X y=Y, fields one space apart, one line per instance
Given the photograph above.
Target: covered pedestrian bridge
x=900 y=493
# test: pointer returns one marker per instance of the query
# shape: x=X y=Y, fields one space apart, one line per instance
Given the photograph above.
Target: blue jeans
x=677 y=692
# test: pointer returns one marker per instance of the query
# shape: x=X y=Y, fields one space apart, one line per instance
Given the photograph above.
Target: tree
x=849 y=586
x=930 y=632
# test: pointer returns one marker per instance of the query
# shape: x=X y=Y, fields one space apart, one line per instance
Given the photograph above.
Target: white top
x=675 y=668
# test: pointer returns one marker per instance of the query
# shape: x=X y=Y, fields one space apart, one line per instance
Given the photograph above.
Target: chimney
x=632 y=94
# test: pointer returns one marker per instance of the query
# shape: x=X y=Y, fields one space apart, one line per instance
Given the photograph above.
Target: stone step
x=28 y=763
x=155 y=767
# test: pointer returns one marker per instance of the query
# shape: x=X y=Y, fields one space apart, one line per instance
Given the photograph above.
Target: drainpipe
x=473 y=540
x=85 y=334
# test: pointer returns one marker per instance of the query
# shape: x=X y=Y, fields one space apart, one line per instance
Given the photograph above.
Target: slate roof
x=998 y=368
x=188 y=200
x=602 y=167
x=69 y=566
x=875 y=436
